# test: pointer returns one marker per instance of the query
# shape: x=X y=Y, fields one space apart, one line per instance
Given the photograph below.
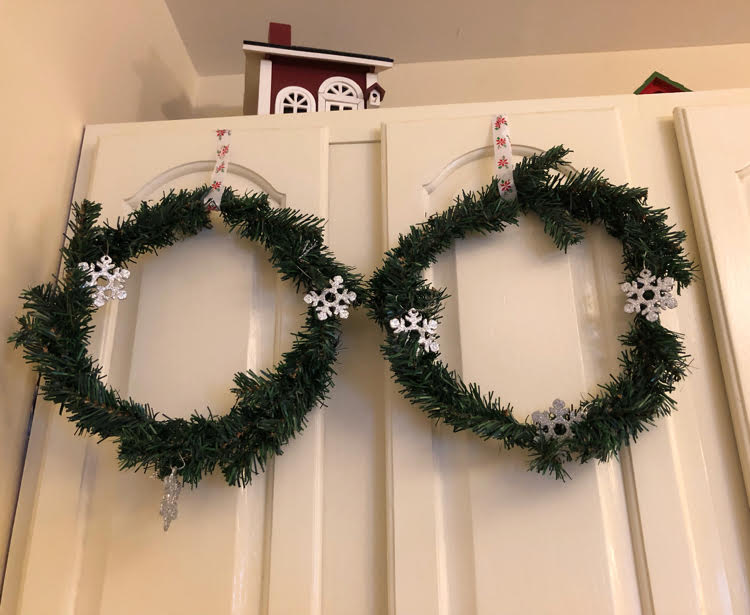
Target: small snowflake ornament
x=172 y=488
x=556 y=422
x=426 y=330
x=332 y=301
x=114 y=277
x=649 y=295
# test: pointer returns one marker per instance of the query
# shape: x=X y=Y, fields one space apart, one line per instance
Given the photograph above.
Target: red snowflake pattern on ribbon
x=212 y=200
x=503 y=156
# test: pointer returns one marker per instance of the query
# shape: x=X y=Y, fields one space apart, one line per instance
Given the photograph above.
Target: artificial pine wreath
x=405 y=306
x=270 y=407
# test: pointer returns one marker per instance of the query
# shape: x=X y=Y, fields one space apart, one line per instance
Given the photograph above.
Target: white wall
x=64 y=65
x=585 y=74
x=219 y=95
x=551 y=76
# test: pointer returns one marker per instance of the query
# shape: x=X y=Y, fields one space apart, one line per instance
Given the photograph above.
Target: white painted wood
x=115 y=511
x=203 y=166
x=716 y=155
x=504 y=332
x=372 y=509
x=264 y=87
x=377 y=64
x=651 y=517
x=699 y=436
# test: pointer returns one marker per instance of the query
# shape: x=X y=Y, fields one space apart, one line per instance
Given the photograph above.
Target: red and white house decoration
x=294 y=79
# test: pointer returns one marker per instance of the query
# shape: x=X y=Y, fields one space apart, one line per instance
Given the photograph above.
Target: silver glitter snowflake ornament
x=425 y=328
x=649 y=295
x=113 y=276
x=172 y=488
x=332 y=301
x=556 y=422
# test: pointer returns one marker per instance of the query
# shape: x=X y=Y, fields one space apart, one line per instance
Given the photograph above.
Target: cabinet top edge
x=371 y=120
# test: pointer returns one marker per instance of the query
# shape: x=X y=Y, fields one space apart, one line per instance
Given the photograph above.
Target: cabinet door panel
x=716 y=156
x=195 y=314
x=532 y=324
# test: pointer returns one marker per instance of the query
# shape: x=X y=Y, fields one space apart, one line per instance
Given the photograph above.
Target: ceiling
x=421 y=31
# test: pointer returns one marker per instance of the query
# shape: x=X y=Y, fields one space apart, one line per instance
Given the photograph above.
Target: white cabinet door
x=715 y=147
x=372 y=509
x=195 y=314
x=473 y=530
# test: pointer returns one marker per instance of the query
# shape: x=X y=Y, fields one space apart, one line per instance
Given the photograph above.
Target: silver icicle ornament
x=172 y=488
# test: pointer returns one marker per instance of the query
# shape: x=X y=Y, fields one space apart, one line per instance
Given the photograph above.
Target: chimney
x=280 y=34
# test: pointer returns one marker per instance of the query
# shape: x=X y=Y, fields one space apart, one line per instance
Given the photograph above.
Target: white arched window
x=294 y=99
x=340 y=94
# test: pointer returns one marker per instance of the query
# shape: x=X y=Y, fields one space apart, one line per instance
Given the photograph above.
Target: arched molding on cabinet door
x=479 y=154
x=204 y=166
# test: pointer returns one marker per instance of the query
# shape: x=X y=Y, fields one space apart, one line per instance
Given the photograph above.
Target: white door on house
x=340 y=94
x=373 y=509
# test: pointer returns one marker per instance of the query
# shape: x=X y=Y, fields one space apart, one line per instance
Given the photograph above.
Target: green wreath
x=270 y=407
x=405 y=306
